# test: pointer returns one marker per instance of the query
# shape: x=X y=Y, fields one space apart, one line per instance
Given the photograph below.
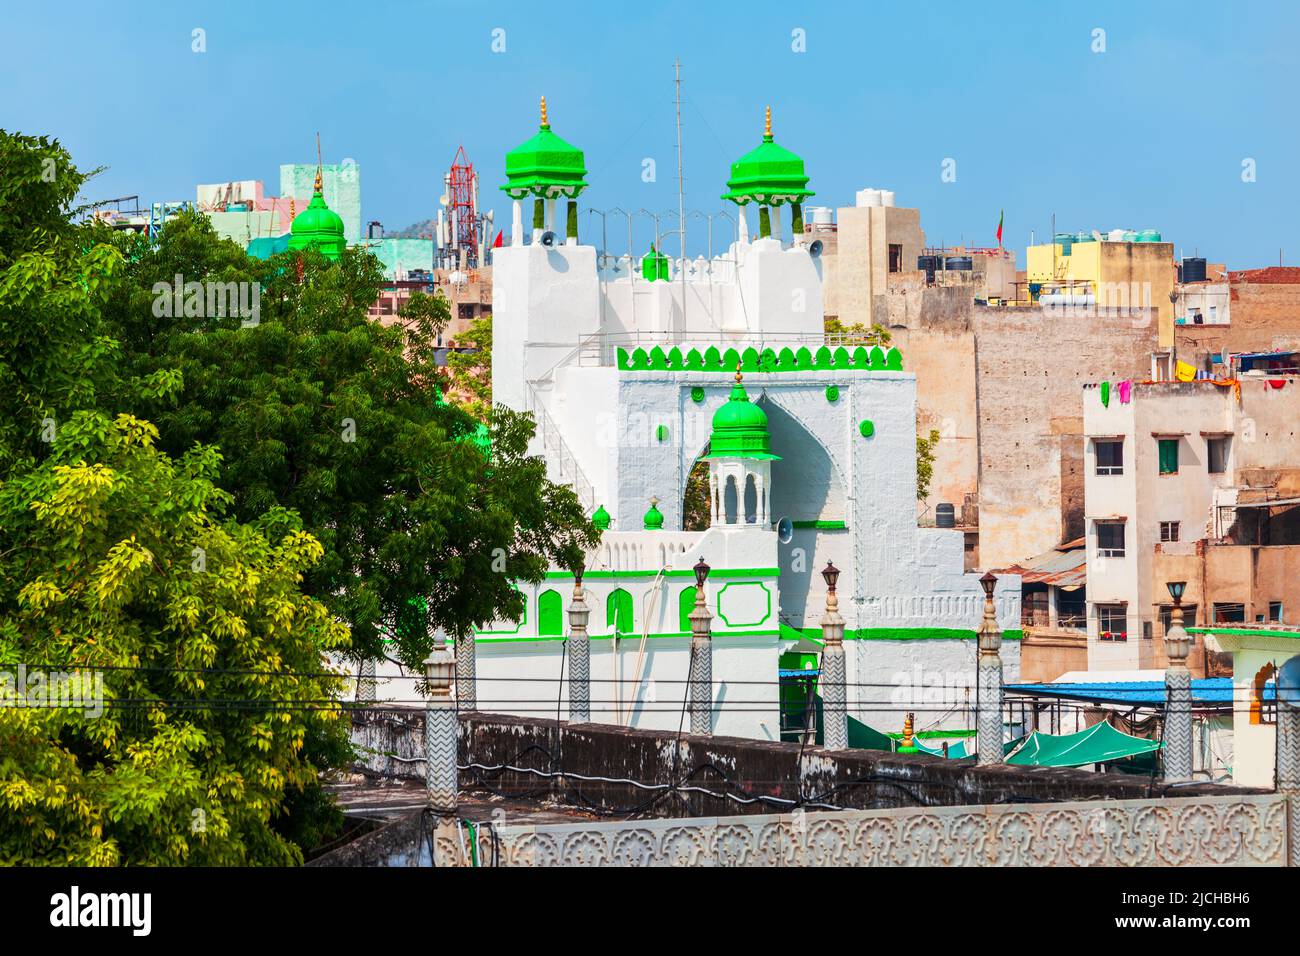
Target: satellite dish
x=548 y=238
x=442 y=200
x=815 y=249
x=785 y=530
x=1288 y=682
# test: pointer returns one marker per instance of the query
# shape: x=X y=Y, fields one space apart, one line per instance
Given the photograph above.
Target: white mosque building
x=635 y=371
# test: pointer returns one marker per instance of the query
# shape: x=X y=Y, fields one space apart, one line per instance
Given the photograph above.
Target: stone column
x=516 y=223
x=835 y=722
x=701 y=670
x=989 y=677
x=1178 y=702
x=579 y=655
x=440 y=730
x=1288 y=772
x=466 y=682
x=366 y=682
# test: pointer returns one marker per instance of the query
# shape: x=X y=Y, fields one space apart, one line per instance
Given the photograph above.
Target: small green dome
x=740 y=428
x=544 y=166
x=769 y=174
x=318 y=227
x=654 y=518
x=600 y=518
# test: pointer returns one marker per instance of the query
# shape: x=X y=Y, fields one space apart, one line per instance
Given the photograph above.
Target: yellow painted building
x=1134 y=277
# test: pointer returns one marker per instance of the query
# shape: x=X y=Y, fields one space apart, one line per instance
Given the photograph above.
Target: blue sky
x=1151 y=133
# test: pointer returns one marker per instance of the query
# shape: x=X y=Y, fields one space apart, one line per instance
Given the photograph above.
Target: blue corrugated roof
x=1208 y=690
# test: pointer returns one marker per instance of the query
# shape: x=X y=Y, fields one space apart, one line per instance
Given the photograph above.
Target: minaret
x=740 y=462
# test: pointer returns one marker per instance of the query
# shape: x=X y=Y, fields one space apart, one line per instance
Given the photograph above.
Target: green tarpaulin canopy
x=1100 y=743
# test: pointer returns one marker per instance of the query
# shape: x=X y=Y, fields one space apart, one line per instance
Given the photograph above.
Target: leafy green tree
x=119 y=559
x=858 y=333
x=925 y=446
x=320 y=410
x=471 y=369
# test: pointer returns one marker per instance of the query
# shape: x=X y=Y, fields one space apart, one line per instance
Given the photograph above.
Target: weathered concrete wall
x=1264 y=311
x=523 y=755
x=1031 y=366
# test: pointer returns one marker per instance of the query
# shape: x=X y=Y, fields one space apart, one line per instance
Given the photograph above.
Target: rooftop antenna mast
x=681 y=194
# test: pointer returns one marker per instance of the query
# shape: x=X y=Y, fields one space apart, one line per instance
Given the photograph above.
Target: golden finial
x=738 y=375
x=319 y=184
x=545 y=121
x=767 y=122
x=907 y=733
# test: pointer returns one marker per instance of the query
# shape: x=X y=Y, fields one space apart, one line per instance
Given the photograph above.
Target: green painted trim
x=766 y=614
x=1244 y=632
x=681 y=635
x=933 y=734
x=821 y=525
x=904 y=634
x=860 y=360
x=676 y=573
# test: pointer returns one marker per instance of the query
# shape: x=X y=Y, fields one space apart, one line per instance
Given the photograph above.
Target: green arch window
x=618 y=612
x=550 y=614
x=685 y=605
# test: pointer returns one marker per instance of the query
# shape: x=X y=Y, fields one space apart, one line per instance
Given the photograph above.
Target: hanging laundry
x=1105 y=394
x=1125 y=391
x=1277 y=382
x=1185 y=372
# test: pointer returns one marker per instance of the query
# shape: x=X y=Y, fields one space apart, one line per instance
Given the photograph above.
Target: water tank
x=1115 y=235
x=1148 y=235
x=886 y=197
x=1082 y=236
x=1130 y=235
x=928 y=264
x=1193 y=269
x=868 y=197
x=959 y=264
x=944 y=515
x=822 y=215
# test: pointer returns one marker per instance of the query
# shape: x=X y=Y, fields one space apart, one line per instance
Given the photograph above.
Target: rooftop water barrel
x=822 y=215
x=1193 y=269
x=945 y=515
x=1115 y=235
x=1082 y=236
x=959 y=264
x=868 y=197
x=929 y=265
x=1130 y=235
x=886 y=197
x=1148 y=235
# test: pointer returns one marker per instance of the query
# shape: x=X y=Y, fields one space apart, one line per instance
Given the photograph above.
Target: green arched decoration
x=866 y=427
x=832 y=393
x=550 y=614
x=712 y=359
x=618 y=612
x=697 y=394
x=861 y=358
x=767 y=361
x=803 y=358
x=694 y=360
x=877 y=358
x=675 y=358
x=824 y=359
x=730 y=359
x=658 y=361
x=842 y=358
x=640 y=360
x=624 y=362
x=685 y=605
x=785 y=361
x=894 y=360
x=661 y=433
x=749 y=360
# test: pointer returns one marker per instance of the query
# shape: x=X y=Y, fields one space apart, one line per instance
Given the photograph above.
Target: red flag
x=1001 y=215
x=497 y=244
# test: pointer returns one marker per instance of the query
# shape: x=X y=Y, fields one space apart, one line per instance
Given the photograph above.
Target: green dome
x=654 y=518
x=740 y=428
x=600 y=518
x=318 y=227
x=769 y=174
x=545 y=166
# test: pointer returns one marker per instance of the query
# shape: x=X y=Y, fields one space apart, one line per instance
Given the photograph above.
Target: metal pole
x=834 y=715
x=579 y=655
x=989 y=678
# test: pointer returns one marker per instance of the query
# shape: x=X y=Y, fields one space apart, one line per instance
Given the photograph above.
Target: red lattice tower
x=460 y=200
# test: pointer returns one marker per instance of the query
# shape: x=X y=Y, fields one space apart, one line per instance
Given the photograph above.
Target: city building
x=1188 y=481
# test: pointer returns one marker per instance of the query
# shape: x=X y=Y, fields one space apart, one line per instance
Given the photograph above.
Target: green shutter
x=618 y=612
x=550 y=614
x=1169 y=456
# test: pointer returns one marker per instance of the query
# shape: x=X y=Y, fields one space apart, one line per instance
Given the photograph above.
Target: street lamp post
x=989 y=678
x=1178 y=694
x=834 y=716
x=440 y=730
x=701 y=668
x=579 y=655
